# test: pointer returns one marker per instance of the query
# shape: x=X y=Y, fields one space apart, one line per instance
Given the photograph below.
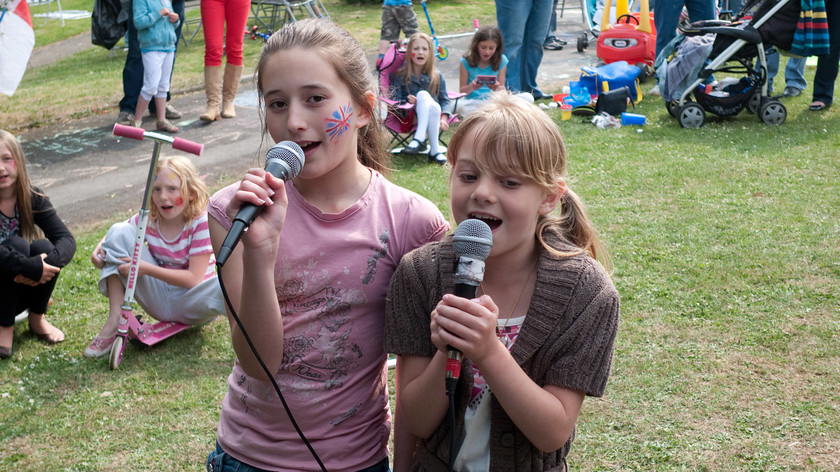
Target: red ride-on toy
x=632 y=38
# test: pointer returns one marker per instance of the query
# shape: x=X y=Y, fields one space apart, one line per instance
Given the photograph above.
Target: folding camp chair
x=399 y=118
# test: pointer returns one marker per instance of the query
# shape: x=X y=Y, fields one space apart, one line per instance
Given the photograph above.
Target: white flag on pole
x=16 y=42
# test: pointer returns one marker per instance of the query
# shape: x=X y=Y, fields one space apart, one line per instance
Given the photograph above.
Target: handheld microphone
x=471 y=244
x=284 y=161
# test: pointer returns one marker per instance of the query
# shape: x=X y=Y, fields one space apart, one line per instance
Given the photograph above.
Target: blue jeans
x=827 y=66
x=667 y=16
x=794 y=71
x=524 y=24
x=221 y=461
x=133 y=69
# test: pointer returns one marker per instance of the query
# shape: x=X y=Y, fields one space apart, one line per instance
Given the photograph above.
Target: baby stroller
x=736 y=48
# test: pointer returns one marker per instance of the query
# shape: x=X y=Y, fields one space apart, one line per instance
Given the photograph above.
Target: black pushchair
x=738 y=48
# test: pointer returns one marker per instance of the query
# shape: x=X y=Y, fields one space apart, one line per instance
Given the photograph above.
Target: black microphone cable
x=267 y=372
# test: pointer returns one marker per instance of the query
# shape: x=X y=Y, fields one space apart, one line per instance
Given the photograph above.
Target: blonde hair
x=23 y=188
x=428 y=68
x=339 y=49
x=193 y=189
x=512 y=137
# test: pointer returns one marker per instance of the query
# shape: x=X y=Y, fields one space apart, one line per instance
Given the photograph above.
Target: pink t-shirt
x=332 y=273
x=175 y=253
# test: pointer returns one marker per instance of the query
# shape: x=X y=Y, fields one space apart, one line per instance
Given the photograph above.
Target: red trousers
x=214 y=15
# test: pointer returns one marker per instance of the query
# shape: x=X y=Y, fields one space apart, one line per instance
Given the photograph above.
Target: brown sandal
x=166 y=126
x=53 y=337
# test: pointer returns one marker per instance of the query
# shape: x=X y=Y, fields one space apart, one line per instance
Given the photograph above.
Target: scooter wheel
x=443 y=53
x=582 y=42
x=117 y=352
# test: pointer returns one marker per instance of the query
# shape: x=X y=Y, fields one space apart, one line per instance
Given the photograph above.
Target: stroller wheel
x=691 y=115
x=673 y=107
x=582 y=42
x=772 y=113
x=755 y=103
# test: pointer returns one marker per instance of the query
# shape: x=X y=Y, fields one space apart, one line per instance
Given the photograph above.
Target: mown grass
x=725 y=244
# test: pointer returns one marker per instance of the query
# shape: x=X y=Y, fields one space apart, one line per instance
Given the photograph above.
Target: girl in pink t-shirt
x=177 y=279
x=309 y=277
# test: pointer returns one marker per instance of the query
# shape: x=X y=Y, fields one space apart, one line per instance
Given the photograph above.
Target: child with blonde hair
x=308 y=278
x=539 y=335
x=418 y=82
x=34 y=246
x=176 y=277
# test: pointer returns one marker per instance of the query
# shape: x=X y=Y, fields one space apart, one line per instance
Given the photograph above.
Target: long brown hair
x=513 y=137
x=23 y=188
x=486 y=33
x=407 y=70
x=339 y=49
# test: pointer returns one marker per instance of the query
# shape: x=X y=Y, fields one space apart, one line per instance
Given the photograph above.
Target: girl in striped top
x=177 y=278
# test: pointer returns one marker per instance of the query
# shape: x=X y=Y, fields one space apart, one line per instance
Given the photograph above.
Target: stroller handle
x=140 y=134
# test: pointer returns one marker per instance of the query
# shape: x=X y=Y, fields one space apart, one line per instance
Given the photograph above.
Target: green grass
x=726 y=253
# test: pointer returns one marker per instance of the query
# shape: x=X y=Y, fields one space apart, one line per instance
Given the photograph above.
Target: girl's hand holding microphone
x=466 y=325
x=261 y=189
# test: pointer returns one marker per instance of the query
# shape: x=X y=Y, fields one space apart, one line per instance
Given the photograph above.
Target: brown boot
x=233 y=75
x=213 y=90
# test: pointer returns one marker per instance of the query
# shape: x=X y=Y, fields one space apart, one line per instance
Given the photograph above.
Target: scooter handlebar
x=128 y=132
x=188 y=146
x=177 y=143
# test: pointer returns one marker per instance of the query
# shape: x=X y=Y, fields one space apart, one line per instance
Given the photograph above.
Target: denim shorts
x=221 y=461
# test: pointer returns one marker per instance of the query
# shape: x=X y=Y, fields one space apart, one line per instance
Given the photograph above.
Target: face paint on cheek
x=179 y=201
x=339 y=122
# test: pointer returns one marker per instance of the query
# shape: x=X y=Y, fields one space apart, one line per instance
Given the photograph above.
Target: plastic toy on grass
x=131 y=327
x=441 y=52
x=632 y=38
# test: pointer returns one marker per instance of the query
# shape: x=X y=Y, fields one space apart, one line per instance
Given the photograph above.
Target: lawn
x=726 y=245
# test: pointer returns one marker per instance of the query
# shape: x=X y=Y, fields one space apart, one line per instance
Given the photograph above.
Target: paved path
x=91 y=175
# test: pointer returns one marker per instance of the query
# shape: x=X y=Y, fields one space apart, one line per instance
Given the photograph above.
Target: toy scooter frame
x=441 y=52
x=131 y=326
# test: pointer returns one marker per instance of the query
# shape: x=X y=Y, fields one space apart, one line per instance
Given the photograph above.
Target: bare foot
x=44 y=330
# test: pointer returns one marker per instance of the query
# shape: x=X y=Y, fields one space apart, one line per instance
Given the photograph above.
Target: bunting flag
x=16 y=42
x=811 y=35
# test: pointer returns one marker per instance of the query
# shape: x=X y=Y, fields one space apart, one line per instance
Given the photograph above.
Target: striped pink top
x=175 y=253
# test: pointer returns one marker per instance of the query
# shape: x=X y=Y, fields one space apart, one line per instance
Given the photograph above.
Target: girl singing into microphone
x=538 y=337
x=309 y=277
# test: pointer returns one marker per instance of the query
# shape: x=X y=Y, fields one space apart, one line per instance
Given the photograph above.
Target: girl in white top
x=177 y=277
x=309 y=277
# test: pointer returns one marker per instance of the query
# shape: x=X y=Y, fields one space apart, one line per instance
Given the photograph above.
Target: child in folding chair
x=418 y=82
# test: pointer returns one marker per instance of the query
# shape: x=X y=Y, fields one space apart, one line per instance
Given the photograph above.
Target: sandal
x=5 y=352
x=554 y=44
x=817 y=106
x=166 y=126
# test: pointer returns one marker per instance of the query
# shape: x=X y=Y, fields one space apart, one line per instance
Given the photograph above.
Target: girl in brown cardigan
x=538 y=337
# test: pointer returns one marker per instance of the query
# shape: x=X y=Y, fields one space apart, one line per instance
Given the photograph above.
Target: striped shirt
x=175 y=253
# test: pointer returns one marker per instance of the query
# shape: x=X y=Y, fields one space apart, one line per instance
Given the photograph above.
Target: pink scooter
x=131 y=326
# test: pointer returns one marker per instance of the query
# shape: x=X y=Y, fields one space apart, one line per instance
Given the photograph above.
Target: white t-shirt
x=332 y=273
x=474 y=455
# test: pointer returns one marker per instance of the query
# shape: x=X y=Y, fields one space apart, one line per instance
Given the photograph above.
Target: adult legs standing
x=524 y=26
x=133 y=69
x=224 y=29
x=827 y=66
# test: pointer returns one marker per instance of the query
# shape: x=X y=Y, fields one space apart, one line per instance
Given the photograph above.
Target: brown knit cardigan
x=566 y=340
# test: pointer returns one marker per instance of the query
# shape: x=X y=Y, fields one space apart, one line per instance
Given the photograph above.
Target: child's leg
x=160 y=108
x=152 y=63
x=433 y=124
x=423 y=110
x=39 y=299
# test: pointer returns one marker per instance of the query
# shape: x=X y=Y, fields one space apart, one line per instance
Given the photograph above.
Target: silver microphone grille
x=473 y=238
x=290 y=153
